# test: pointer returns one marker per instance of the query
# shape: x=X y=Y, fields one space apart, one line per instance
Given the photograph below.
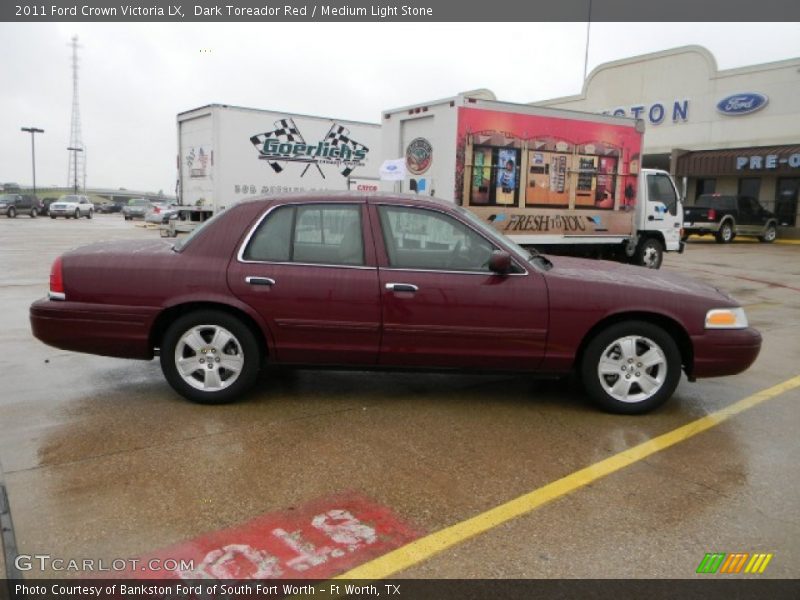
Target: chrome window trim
x=436 y=209
x=240 y=255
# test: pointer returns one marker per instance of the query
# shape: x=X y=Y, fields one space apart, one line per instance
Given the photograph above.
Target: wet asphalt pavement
x=102 y=460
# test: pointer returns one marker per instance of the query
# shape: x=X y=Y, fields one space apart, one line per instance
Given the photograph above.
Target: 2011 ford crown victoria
x=385 y=282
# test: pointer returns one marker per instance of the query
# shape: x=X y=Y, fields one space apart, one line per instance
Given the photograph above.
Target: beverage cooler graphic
x=527 y=161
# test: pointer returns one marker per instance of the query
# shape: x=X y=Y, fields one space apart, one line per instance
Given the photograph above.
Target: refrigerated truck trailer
x=229 y=153
x=565 y=182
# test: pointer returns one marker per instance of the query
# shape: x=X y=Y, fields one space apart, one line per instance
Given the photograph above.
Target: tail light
x=712 y=214
x=56 y=281
x=156 y=210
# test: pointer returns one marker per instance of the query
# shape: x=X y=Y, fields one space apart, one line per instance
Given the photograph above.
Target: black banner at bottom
x=405 y=589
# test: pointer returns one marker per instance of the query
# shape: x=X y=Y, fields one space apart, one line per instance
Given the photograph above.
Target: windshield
x=6 y=198
x=494 y=234
x=68 y=199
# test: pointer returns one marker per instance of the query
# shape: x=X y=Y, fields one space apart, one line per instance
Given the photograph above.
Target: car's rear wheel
x=769 y=235
x=631 y=367
x=210 y=357
x=12 y=213
x=89 y=215
x=725 y=233
x=33 y=213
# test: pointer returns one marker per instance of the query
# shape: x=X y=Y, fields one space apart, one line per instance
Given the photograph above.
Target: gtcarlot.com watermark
x=46 y=562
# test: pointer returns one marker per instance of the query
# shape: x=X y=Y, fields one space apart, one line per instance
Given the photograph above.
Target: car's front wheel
x=12 y=213
x=650 y=253
x=210 y=357
x=631 y=367
x=33 y=213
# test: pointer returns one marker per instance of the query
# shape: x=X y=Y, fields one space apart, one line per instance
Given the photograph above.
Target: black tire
x=33 y=213
x=770 y=234
x=242 y=345
x=640 y=337
x=725 y=234
x=77 y=214
x=52 y=216
x=12 y=213
x=89 y=216
x=650 y=253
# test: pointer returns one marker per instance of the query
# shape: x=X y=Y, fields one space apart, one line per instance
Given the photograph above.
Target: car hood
x=650 y=282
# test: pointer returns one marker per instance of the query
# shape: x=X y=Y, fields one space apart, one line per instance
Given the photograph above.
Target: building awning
x=740 y=162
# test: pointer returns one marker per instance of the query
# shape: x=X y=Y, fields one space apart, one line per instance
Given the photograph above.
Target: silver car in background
x=136 y=208
x=71 y=206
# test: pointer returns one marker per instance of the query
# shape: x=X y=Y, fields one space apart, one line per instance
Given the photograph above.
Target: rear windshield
x=138 y=202
x=724 y=202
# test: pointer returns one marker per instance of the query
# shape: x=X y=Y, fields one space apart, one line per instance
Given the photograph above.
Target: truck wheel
x=725 y=234
x=12 y=213
x=33 y=213
x=210 y=357
x=650 y=253
x=769 y=235
x=631 y=367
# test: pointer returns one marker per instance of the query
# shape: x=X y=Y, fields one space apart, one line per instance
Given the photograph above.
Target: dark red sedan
x=374 y=281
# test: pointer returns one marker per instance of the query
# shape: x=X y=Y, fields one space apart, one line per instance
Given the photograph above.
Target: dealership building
x=735 y=131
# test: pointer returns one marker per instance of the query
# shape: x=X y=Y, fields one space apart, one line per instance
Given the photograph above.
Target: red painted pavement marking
x=315 y=541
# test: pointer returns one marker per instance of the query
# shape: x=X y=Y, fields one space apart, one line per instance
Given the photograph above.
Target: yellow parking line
x=430 y=545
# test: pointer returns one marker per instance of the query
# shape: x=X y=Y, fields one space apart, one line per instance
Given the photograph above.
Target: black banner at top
x=333 y=11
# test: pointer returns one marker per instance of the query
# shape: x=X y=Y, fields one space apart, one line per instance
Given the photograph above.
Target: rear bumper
x=701 y=227
x=725 y=351
x=121 y=331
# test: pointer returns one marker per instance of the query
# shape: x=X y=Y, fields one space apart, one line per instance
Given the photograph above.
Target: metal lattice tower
x=76 y=168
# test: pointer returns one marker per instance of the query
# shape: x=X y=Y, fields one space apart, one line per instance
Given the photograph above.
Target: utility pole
x=33 y=131
x=75 y=162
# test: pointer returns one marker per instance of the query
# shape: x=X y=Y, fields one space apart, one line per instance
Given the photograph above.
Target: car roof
x=343 y=196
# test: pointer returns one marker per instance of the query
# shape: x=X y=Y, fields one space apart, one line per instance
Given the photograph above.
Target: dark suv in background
x=13 y=204
x=726 y=216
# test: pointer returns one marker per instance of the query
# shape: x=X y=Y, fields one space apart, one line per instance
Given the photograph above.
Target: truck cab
x=658 y=220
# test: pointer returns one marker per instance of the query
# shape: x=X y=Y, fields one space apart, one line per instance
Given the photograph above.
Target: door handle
x=401 y=287
x=268 y=281
x=651 y=218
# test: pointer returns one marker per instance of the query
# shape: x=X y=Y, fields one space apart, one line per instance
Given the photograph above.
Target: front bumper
x=121 y=331
x=721 y=352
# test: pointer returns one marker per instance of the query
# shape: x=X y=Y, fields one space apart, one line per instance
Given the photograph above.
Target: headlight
x=726 y=318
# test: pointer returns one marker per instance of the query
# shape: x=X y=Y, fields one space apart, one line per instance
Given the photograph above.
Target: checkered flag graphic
x=285 y=131
x=339 y=136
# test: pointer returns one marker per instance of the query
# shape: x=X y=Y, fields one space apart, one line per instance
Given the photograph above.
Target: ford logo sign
x=391 y=167
x=742 y=104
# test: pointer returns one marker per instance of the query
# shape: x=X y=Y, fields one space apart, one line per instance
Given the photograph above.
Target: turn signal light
x=726 y=318
x=56 y=281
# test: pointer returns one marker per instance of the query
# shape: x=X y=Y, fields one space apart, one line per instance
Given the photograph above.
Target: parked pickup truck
x=726 y=216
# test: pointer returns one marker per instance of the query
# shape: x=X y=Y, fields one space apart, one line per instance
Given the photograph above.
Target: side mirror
x=500 y=262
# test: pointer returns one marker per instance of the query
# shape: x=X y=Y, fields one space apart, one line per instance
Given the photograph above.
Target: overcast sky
x=134 y=78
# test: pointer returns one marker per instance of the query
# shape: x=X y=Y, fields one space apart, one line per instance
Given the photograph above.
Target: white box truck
x=229 y=153
x=566 y=182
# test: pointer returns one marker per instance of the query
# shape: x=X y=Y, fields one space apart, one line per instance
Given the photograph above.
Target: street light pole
x=33 y=131
x=75 y=162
